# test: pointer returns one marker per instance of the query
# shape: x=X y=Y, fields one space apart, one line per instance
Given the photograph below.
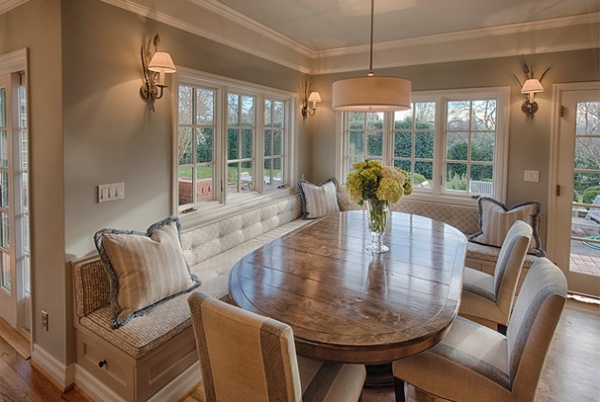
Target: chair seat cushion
x=470 y=364
x=330 y=382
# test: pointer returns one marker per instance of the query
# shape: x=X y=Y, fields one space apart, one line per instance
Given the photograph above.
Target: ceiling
x=327 y=24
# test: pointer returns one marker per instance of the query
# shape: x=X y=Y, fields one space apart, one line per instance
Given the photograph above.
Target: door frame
x=11 y=63
x=558 y=91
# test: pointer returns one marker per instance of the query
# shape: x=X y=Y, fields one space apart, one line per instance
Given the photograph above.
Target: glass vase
x=377 y=212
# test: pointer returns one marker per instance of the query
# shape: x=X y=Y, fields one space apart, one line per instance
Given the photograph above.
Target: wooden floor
x=571 y=373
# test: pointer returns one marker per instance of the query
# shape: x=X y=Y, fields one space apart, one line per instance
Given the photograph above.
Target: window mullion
x=388 y=135
x=222 y=166
x=259 y=141
x=440 y=145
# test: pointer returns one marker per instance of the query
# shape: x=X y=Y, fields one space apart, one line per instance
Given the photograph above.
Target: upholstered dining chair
x=476 y=363
x=248 y=357
x=489 y=298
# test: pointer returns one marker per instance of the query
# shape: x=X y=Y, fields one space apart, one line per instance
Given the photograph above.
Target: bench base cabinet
x=136 y=379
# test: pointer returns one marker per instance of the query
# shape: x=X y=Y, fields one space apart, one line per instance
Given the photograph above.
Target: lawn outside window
x=234 y=143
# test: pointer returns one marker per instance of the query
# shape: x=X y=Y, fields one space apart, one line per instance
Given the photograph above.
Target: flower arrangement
x=378 y=185
x=371 y=179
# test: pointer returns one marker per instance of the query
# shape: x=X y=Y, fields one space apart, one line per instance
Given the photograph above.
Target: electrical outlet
x=45 y=320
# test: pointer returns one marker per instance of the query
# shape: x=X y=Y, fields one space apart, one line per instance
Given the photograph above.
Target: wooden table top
x=345 y=304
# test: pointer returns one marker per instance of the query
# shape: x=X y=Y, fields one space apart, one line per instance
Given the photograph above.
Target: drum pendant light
x=371 y=93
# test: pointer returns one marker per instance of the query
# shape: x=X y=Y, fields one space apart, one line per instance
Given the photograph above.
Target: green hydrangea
x=371 y=179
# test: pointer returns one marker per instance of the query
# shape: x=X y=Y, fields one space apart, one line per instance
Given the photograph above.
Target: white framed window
x=234 y=143
x=453 y=142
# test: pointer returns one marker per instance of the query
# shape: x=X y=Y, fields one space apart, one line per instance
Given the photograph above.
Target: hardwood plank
x=15 y=339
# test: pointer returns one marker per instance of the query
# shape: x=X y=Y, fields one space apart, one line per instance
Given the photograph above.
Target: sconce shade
x=531 y=86
x=161 y=62
x=371 y=94
x=314 y=97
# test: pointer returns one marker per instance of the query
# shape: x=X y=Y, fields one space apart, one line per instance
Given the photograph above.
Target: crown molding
x=549 y=36
x=522 y=28
x=222 y=10
x=7 y=5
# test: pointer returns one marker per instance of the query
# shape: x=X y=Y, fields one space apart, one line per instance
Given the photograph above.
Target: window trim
x=225 y=205
x=502 y=96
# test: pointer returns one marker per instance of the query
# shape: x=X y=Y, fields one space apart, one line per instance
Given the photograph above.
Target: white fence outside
x=480 y=187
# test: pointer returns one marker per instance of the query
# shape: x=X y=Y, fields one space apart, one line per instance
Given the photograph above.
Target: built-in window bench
x=153 y=356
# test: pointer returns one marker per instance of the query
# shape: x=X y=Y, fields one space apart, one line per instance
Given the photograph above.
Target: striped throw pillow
x=318 y=200
x=144 y=269
x=495 y=219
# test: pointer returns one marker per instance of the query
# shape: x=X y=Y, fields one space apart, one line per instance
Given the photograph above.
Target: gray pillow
x=144 y=269
x=495 y=219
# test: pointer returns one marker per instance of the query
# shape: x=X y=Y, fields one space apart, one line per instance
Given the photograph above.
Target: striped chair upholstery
x=248 y=357
x=488 y=298
x=475 y=363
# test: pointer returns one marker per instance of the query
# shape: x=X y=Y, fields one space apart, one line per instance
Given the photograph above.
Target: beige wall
x=529 y=140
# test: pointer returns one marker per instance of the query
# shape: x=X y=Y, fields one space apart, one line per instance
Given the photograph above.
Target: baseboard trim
x=93 y=387
x=62 y=375
x=181 y=386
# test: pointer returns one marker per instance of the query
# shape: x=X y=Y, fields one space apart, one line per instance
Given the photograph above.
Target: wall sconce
x=529 y=89
x=155 y=66
x=309 y=97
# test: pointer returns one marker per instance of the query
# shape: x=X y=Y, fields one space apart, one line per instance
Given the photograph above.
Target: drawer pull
x=101 y=363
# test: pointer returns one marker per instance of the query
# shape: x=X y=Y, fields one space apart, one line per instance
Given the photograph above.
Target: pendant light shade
x=371 y=94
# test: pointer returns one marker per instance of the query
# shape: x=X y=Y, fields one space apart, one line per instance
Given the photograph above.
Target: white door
x=8 y=294
x=15 y=305
x=574 y=215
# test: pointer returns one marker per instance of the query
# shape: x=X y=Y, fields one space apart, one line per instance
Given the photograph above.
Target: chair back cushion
x=532 y=325
x=510 y=260
x=243 y=356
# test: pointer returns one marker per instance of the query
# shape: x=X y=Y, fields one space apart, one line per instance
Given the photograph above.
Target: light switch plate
x=111 y=192
x=532 y=176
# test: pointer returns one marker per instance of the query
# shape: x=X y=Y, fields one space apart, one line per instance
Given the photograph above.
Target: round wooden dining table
x=347 y=305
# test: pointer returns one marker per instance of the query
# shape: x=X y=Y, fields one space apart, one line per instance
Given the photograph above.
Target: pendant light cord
x=370 y=73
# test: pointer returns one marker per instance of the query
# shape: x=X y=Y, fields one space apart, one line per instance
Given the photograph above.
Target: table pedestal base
x=379 y=375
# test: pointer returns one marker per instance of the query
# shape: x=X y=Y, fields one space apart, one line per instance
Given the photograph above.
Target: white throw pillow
x=495 y=219
x=144 y=269
x=318 y=201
